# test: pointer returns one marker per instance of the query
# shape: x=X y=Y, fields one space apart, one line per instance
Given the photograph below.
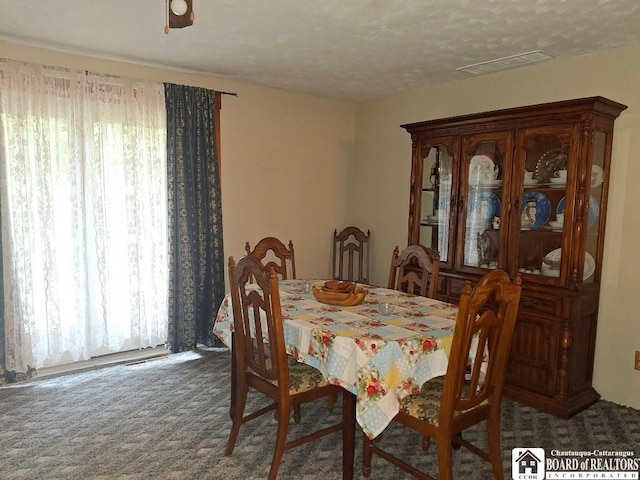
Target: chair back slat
x=351 y=253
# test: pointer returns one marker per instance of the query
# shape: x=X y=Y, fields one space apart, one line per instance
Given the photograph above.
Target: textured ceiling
x=346 y=49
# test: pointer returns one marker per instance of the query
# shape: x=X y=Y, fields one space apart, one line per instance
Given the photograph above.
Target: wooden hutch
x=524 y=189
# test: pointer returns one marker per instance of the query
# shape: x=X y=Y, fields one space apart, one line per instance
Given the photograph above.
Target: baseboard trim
x=129 y=357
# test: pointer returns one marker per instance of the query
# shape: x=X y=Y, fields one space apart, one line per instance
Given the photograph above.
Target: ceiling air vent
x=507 y=62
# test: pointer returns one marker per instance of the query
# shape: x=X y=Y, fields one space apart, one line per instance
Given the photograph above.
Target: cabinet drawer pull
x=529 y=302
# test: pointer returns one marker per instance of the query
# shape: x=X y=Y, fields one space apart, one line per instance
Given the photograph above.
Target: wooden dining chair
x=261 y=361
x=351 y=255
x=415 y=270
x=273 y=253
x=350 y=261
x=464 y=397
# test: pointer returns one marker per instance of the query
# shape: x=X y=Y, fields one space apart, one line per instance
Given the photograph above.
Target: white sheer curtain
x=84 y=208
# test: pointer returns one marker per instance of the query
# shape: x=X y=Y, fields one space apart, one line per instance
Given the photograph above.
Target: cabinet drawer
x=541 y=302
x=531 y=301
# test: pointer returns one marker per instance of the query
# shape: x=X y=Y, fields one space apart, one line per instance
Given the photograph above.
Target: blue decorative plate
x=594 y=209
x=484 y=206
x=542 y=206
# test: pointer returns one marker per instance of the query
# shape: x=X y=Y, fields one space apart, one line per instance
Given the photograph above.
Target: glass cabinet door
x=546 y=205
x=486 y=160
x=595 y=214
x=435 y=210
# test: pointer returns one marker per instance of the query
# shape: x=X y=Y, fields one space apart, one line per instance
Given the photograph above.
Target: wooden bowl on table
x=338 y=286
x=343 y=294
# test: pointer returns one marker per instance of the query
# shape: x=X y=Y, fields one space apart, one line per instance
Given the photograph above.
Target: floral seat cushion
x=302 y=377
x=425 y=405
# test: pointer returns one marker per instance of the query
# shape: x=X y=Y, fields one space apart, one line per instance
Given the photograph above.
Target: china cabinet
x=524 y=189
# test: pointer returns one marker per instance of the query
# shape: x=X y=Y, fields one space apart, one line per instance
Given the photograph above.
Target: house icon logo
x=527 y=464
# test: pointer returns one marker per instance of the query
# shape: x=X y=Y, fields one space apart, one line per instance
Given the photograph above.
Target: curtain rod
x=221 y=92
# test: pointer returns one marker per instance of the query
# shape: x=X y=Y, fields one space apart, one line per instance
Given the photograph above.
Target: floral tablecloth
x=379 y=358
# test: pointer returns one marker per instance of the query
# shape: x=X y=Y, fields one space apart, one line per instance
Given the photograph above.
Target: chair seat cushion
x=303 y=377
x=426 y=404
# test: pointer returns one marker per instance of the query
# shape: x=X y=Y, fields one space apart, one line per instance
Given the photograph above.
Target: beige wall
x=382 y=163
x=286 y=161
x=292 y=169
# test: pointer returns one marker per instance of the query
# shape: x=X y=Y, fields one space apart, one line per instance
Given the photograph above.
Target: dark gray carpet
x=169 y=419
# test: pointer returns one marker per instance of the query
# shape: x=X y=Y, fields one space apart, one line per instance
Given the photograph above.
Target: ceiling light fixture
x=178 y=7
x=179 y=14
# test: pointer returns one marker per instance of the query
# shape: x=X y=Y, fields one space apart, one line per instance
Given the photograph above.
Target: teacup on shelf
x=556 y=224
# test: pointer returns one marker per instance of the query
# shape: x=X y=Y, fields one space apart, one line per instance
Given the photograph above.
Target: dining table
x=380 y=355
